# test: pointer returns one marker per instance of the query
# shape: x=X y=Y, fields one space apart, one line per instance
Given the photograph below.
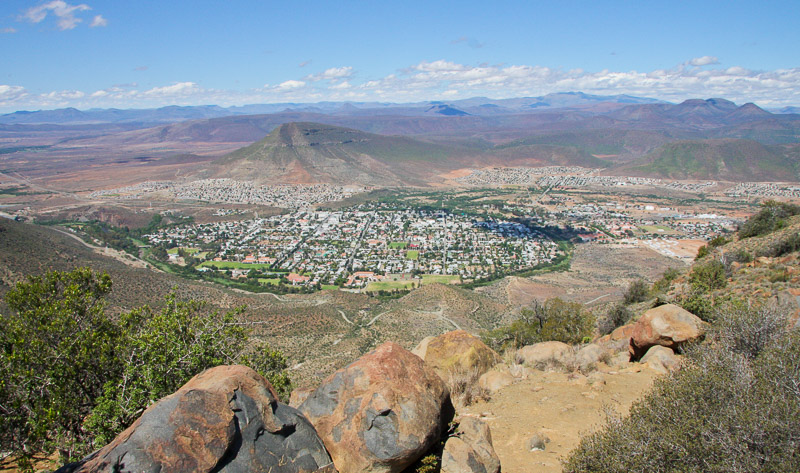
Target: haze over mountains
x=400 y=144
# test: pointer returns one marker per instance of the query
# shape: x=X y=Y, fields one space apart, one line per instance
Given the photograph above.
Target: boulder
x=299 y=395
x=457 y=351
x=538 y=442
x=495 y=380
x=588 y=356
x=547 y=355
x=471 y=449
x=226 y=419
x=667 y=325
x=381 y=412
x=661 y=359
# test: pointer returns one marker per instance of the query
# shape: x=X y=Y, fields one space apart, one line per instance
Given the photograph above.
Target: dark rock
x=226 y=419
x=381 y=412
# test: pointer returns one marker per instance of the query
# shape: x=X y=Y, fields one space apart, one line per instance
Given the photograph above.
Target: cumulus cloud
x=60 y=9
x=704 y=61
x=98 y=20
x=447 y=80
x=334 y=74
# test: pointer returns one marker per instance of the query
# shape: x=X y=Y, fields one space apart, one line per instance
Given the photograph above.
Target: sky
x=153 y=53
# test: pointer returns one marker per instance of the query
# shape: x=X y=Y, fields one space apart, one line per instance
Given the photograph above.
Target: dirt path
x=558 y=406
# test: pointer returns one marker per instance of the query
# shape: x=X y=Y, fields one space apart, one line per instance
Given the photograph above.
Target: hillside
x=313 y=153
x=723 y=159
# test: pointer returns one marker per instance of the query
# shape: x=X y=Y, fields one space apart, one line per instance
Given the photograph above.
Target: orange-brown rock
x=381 y=412
x=457 y=351
x=471 y=449
x=668 y=325
x=547 y=355
x=226 y=419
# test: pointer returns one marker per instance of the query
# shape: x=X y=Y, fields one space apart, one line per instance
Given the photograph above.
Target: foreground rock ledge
x=226 y=419
x=381 y=412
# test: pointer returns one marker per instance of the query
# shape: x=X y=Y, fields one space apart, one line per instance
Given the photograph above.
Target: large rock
x=381 y=412
x=226 y=419
x=588 y=356
x=471 y=450
x=457 y=351
x=667 y=325
x=661 y=359
x=547 y=355
x=494 y=380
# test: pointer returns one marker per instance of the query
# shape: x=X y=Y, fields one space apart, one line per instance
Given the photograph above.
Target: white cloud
x=704 y=61
x=446 y=80
x=98 y=21
x=63 y=11
x=10 y=94
x=334 y=74
x=8 y=30
x=180 y=89
x=290 y=85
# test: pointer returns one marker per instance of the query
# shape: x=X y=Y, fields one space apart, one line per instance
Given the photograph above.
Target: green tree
x=73 y=377
x=556 y=319
x=57 y=350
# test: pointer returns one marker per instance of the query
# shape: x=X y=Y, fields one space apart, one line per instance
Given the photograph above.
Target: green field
x=440 y=278
x=233 y=265
x=658 y=229
x=398 y=245
x=389 y=285
x=191 y=251
x=273 y=281
x=326 y=287
x=412 y=254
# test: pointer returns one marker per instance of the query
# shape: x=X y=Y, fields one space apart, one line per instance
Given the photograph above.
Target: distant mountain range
x=390 y=144
x=475 y=106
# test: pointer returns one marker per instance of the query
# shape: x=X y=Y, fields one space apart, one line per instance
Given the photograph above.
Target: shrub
x=771 y=217
x=708 y=276
x=702 y=252
x=72 y=377
x=699 y=304
x=638 y=291
x=567 y=322
x=724 y=411
x=718 y=241
x=616 y=317
x=663 y=284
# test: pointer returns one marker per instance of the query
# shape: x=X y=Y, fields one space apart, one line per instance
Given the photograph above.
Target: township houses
x=297 y=279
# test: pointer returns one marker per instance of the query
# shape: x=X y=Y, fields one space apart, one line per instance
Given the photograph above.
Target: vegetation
x=558 y=320
x=637 y=291
x=734 y=407
x=72 y=376
x=616 y=317
x=771 y=217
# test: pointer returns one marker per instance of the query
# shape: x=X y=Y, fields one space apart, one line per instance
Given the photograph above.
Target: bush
x=724 y=411
x=663 y=284
x=567 y=322
x=616 y=317
x=72 y=377
x=708 y=276
x=771 y=217
x=638 y=291
x=702 y=252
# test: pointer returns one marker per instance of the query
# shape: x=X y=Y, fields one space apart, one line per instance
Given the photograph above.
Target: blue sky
x=147 y=53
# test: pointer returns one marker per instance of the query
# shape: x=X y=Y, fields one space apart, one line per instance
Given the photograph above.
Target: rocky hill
x=315 y=153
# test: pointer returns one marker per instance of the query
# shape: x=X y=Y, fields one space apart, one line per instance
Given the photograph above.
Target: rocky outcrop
x=588 y=356
x=470 y=450
x=457 y=351
x=496 y=379
x=547 y=355
x=226 y=419
x=381 y=412
x=668 y=325
x=661 y=359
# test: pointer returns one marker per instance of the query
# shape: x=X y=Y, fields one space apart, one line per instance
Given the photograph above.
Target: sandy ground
x=563 y=407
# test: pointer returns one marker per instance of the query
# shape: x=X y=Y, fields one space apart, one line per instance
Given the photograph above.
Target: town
x=355 y=248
